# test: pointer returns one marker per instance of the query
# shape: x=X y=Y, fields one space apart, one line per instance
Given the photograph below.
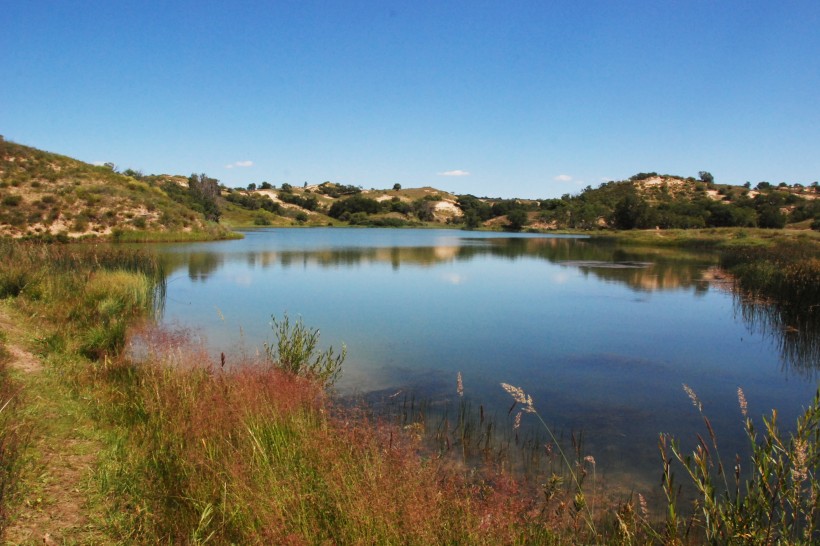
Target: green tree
x=396 y=187
x=629 y=212
x=204 y=191
x=424 y=209
x=471 y=220
x=517 y=219
x=352 y=205
x=706 y=176
x=472 y=204
x=771 y=217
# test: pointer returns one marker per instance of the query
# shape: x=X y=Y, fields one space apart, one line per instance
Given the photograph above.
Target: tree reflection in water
x=795 y=331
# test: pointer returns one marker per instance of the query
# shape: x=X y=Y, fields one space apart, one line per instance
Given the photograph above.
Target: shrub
x=12 y=200
x=296 y=352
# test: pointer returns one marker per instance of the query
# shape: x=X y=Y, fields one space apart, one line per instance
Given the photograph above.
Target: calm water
x=602 y=337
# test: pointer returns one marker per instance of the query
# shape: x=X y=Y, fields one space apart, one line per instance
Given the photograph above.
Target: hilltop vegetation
x=649 y=200
x=50 y=196
x=644 y=201
x=45 y=195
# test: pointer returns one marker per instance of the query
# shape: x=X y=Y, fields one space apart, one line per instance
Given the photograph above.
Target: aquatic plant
x=576 y=471
x=775 y=501
x=296 y=352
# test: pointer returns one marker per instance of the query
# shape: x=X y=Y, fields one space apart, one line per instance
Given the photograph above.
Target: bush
x=261 y=220
x=12 y=200
x=352 y=205
x=296 y=353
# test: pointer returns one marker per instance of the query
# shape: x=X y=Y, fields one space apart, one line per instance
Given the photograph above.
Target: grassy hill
x=46 y=195
x=336 y=204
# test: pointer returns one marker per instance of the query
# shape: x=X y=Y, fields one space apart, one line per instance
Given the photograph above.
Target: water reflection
x=795 y=332
x=796 y=336
x=666 y=271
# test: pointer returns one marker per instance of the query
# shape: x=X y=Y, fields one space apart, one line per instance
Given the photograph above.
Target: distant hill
x=337 y=204
x=650 y=200
x=46 y=195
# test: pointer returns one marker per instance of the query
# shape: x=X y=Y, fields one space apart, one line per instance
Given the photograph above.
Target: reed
x=93 y=292
x=788 y=273
x=772 y=499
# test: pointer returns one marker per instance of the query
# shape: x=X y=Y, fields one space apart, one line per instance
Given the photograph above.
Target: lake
x=601 y=336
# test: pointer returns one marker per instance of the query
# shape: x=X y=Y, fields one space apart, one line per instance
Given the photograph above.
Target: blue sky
x=527 y=99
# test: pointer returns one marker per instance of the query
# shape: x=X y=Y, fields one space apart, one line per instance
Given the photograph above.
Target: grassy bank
x=185 y=450
x=780 y=265
x=212 y=232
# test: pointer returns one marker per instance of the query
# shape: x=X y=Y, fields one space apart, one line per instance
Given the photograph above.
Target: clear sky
x=507 y=98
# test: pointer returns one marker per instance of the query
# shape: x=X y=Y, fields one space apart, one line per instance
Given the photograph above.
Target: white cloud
x=240 y=164
x=563 y=178
x=456 y=172
x=454 y=278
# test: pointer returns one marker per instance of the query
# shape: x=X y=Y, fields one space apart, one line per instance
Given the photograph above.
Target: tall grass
x=210 y=232
x=257 y=455
x=789 y=273
x=12 y=437
x=771 y=499
x=296 y=352
x=92 y=292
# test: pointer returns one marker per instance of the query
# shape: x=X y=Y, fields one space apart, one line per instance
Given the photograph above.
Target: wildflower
x=459 y=385
x=693 y=397
x=744 y=406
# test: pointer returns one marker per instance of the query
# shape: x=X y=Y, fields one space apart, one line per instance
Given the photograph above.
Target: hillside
x=46 y=195
x=650 y=200
x=337 y=204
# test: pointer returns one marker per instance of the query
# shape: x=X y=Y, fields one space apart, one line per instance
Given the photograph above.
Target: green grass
x=213 y=232
x=13 y=436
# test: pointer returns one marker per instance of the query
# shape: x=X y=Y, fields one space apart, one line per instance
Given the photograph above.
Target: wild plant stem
x=590 y=522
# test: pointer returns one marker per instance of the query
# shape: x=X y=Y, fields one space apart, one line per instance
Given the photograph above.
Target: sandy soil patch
x=448 y=209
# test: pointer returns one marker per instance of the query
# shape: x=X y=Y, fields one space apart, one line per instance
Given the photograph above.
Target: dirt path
x=56 y=496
